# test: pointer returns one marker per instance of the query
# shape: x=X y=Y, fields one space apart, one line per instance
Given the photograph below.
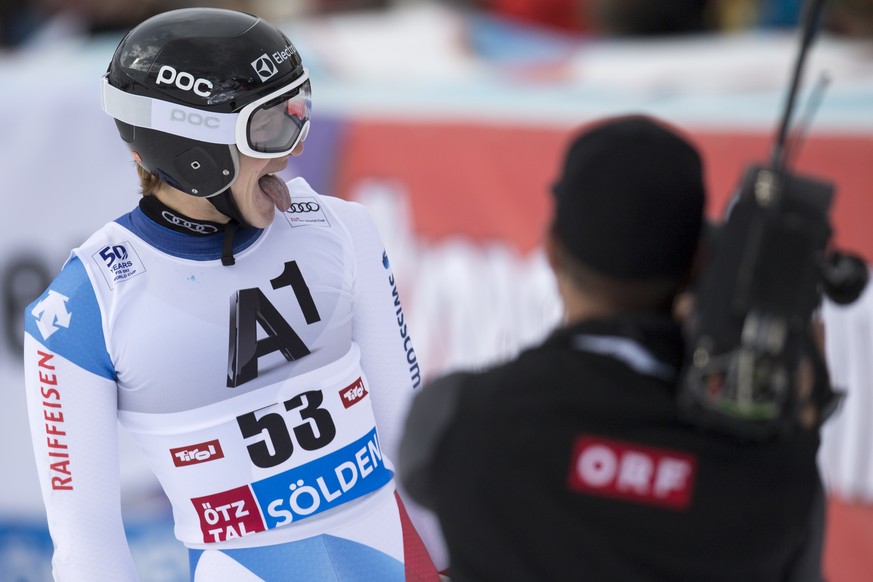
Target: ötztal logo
x=199 y=453
x=228 y=515
x=51 y=314
x=264 y=67
x=632 y=472
x=353 y=393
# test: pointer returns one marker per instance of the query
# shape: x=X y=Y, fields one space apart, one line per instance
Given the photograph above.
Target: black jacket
x=572 y=462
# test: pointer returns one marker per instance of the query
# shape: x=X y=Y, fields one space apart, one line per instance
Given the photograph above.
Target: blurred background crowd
x=24 y=23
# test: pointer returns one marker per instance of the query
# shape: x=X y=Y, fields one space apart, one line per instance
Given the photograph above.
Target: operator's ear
x=702 y=254
x=552 y=248
x=683 y=304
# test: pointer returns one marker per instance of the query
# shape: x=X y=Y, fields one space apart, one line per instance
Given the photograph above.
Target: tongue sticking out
x=276 y=190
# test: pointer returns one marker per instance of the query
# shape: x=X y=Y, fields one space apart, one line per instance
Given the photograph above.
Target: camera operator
x=574 y=461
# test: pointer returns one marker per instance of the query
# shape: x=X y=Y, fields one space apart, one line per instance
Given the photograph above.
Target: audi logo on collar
x=304 y=207
x=194 y=226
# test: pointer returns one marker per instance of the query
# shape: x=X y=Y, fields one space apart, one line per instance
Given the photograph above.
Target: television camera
x=770 y=264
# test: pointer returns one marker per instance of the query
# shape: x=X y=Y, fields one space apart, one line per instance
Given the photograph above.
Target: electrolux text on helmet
x=285 y=54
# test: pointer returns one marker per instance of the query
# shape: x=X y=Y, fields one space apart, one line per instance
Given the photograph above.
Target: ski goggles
x=270 y=127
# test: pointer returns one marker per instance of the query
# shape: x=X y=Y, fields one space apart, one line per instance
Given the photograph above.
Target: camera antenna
x=791 y=149
x=811 y=18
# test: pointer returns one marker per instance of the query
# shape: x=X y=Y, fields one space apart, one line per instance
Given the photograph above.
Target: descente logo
x=167 y=75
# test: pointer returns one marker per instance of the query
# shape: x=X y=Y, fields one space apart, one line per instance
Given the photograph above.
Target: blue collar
x=177 y=244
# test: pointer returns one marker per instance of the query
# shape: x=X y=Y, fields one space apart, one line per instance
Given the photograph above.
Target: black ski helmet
x=177 y=85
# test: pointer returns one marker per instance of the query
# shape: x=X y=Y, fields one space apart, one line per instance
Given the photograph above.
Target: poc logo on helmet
x=264 y=67
x=193 y=118
x=167 y=75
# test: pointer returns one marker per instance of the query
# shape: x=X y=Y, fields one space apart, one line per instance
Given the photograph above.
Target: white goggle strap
x=172 y=118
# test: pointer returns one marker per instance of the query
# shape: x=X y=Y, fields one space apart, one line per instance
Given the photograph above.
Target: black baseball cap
x=630 y=200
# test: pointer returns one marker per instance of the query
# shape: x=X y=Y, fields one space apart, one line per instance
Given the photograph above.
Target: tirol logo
x=199 y=453
x=632 y=472
x=353 y=393
x=51 y=314
x=264 y=67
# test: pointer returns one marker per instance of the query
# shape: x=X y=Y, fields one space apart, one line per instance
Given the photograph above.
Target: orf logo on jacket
x=632 y=472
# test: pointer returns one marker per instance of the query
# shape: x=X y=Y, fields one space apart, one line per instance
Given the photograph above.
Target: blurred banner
x=450 y=128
